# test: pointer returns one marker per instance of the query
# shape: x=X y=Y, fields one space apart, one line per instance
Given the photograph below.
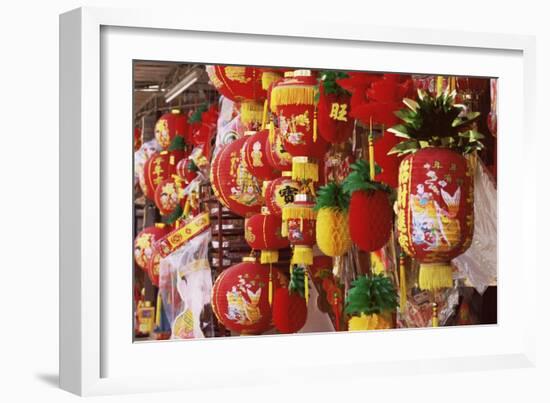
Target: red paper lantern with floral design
x=280 y=192
x=255 y=156
x=263 y=232
x=232 y=183
x=168 y=195
x=238 y=83
x=276 y=154
x=170 y=125
x=159 y=167
x=144 y=247
x=240 y=298
x=435 y=211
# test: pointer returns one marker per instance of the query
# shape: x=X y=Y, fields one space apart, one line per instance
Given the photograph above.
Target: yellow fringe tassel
x=186 y=207
x=434 y=276
x=271 y=132
x=292 y=95
x=158 y=312
x=306 y=286
x=315 y=126
x=294 y=211
x=284 y=229
x=303 y=169
x=435 y=318
x=303 y=255
x=402 y=285
x=268 y=78
x=270 y=289
x=264 y=115
x=269 y=256
x=251 y=112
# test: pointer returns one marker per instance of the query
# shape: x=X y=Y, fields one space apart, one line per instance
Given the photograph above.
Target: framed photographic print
x=293 y=195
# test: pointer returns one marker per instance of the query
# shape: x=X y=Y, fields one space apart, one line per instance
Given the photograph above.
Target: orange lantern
x=240 y=297
x=170 y=125
x=280 y=192
x=255 y=156
x=232 y=183
x=159 y=167
x=435 y=212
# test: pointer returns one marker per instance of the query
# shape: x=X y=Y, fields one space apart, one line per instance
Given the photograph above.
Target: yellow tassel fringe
x=269 y=256
x=306 y=286
x=292 y=95
x=434 y=276
x=270 y=289
x=293 y=212
x=264 y=115
x=251 y=112
x=268 y=78
x=303 y=170
x=303 y=255
x=402 y=285
x=271 y=132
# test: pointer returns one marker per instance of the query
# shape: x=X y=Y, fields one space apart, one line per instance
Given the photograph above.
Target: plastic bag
x=185 y=285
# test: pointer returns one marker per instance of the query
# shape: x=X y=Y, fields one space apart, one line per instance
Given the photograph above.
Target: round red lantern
x=153 y=268
x=170 y=125
x=276 y=154
x=299 y=220
x=263 y=232
x=289 y=311
x=168 y=195
x=237 y=83
x=240 y=297
x=232 y=183
x=187 y=169
x=160 y=166
x=280 y=192
x=144 y=243
x=255 y=156
x=435 y=212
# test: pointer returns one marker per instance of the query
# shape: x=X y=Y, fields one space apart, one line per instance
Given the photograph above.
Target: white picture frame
x=96 y=352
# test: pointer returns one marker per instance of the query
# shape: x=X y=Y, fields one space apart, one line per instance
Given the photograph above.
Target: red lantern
x=263 y=232
x=168 y=195
x=435 y=212
x=335 y=123
x=187 y=169
x=280 y=192
x=153 y=268
x=255 y=156
x=169 y=126
x=159 y=167
x=240 y=297
x=137 y=138
x=372 y=207
x=232 y=183
x=299 y=221
x=144 y=244
x=289 y=311
x=276 y=154
x=237 y=83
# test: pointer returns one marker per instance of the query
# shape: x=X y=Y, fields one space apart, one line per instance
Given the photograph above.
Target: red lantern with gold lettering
x=232 y=183
x=238 y=83
x=335 y=123
x=144 y=243
x=159 y=167
x=255 y=156
x=435 y=212
x=240 y=298
x=280 y=192
x=263 y=232
x=170 y=125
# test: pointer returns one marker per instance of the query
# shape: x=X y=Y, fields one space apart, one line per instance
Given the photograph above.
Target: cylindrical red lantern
x=299 y=221
x=170 y=125
x=168 y=195
x=240 y=297
x=232 y=183
x=276 y=154
x=280 y=192
x=289 y=311
x=263 y=232
x=435 y=212
x=255 y=155
x=335 y=123
x=144 y=243
x=237 y=83
x=160 y=166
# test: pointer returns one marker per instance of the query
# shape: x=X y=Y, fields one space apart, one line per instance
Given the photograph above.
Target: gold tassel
x=251 y=112
x=269 y=256
x=294 y=212
x=284 y=229
x=292 y=95
x=434 y=276
x=306 y=286
x=270 y=289
x=264 y=117
x=371 y=152
x=158 y=311
x=303 y=255
x=315 y=125
x=402 y=285
x=303 y=169
x=435 y=318
x=187 y=207
x=271 y=132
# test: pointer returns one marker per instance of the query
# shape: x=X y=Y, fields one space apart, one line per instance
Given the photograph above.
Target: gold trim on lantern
x=434 y=276
x=292 y=95
x=251 y=112
x=269 y=256
x=268 y=78
x=304 y=169
x=302 y=255
x=294 y=212
x=249 y=259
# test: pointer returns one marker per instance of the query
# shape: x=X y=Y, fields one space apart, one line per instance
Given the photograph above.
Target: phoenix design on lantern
x=242 y=310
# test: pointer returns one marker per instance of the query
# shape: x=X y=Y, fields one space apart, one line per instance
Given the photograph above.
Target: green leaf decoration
x=332 y=195
x=174 y=216
x=297 y=280
x=328 y=80
x=359 y=179
x=436 y=121
x=196 y=117
x=371 y=294
x=177 y=143
x=192 y=166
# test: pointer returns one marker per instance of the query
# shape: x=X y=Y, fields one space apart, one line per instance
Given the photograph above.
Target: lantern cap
x=163 y=152
x=289 y=74
x=147 y=304
x=301 y=197
x=286 y=173
x=175 y=111
x=265 y=210
x=160 y=225
x=302 y=73
x=250 y=259
x=249 y=132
